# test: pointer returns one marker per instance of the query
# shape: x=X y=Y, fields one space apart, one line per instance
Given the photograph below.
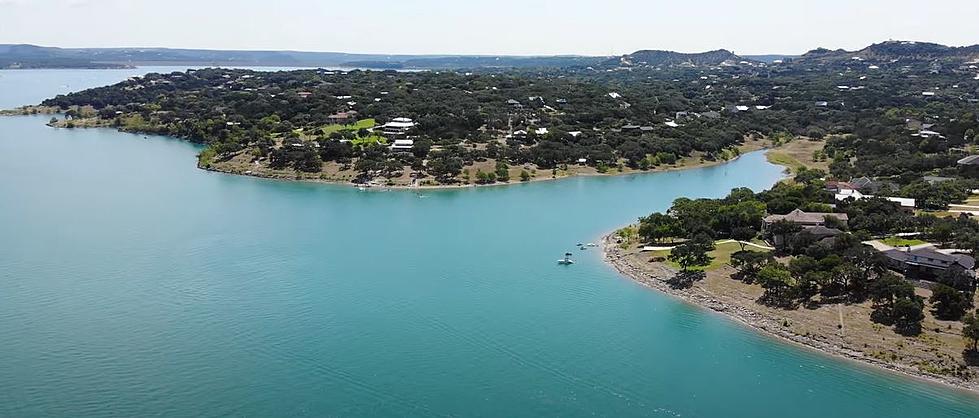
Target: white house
x=905 y=203
x=398 y=127
x=403 y=144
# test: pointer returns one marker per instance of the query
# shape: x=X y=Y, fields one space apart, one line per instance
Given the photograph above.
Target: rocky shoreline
x=758 y=321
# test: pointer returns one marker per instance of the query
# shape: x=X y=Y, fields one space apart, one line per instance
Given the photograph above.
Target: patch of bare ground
x=799 y=153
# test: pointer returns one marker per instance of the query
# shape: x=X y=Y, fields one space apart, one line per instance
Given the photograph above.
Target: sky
x=497 y=27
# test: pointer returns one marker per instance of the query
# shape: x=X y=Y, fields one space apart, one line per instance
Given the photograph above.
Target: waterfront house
x=929 y=263
x=805 y=219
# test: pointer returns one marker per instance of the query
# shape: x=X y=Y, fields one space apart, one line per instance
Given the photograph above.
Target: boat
x=566 y=260
x=592 y=244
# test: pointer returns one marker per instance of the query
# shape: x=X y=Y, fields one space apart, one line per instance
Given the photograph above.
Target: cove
x=132 y=283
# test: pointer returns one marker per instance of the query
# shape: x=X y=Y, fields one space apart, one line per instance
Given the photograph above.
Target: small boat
x=566 y=260
x=592 y=244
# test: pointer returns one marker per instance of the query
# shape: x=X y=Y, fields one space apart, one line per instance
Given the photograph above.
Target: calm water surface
x=133 y=284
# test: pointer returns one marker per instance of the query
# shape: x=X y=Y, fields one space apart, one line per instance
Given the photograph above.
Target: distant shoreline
x=703 y=164
x=764 y=324
x=749 y=146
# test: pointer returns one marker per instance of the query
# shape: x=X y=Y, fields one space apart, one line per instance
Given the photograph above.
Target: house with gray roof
x=970 y=160
x=928 y=263
x=805 y=219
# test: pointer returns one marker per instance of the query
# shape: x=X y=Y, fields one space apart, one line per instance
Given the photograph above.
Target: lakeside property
x=813 y=262
x=480 y=172
x=843 y=330
x=457 y=128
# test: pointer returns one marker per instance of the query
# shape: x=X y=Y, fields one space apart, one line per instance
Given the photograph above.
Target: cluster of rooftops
x=922 y=260
x=864 y=188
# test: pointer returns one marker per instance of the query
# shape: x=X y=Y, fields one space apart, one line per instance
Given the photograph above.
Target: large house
x=343 y=117
x=812 y=223
x=904 y=203
x=805 y=219
x=398 y=128
x=928 y=262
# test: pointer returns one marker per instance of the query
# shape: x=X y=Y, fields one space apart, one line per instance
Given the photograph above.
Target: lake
x=133 y=284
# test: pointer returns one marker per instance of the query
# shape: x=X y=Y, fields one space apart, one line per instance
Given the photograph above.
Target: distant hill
x=770 y=58
x=655 y=58
x=31 y=56
x=469 y=61
x=895 y=51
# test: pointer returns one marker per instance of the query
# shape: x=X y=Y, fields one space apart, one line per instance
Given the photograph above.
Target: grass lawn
x=361 y=124
x=797 y=154
x=721 y=255
x=783 y=159
x=901 y=242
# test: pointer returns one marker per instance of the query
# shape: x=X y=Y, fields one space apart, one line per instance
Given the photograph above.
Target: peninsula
x=651 y=110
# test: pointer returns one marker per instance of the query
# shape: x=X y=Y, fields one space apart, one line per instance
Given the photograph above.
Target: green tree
x=777 y=282
x=748 y=264
x=693 y=253
x=885 y=291
x=524 y=175
x=949 y=303
x=657 y=226
x=907 y=313
x=971 y=329
x=742 y=235
x=502 y=171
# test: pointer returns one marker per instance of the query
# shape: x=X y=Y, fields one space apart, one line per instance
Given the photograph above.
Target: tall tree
x=693 y=253
x=949 y=303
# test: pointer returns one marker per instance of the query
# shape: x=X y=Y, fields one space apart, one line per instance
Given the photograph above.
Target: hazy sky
x=522 y=27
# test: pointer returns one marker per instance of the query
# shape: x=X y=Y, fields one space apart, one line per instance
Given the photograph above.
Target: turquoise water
x=133 y=284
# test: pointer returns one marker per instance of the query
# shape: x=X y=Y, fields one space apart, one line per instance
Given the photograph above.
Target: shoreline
x=766 y=325
x=748 y=147
x=436 y=187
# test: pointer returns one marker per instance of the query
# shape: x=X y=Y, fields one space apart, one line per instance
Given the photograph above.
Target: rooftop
x=798 y=216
